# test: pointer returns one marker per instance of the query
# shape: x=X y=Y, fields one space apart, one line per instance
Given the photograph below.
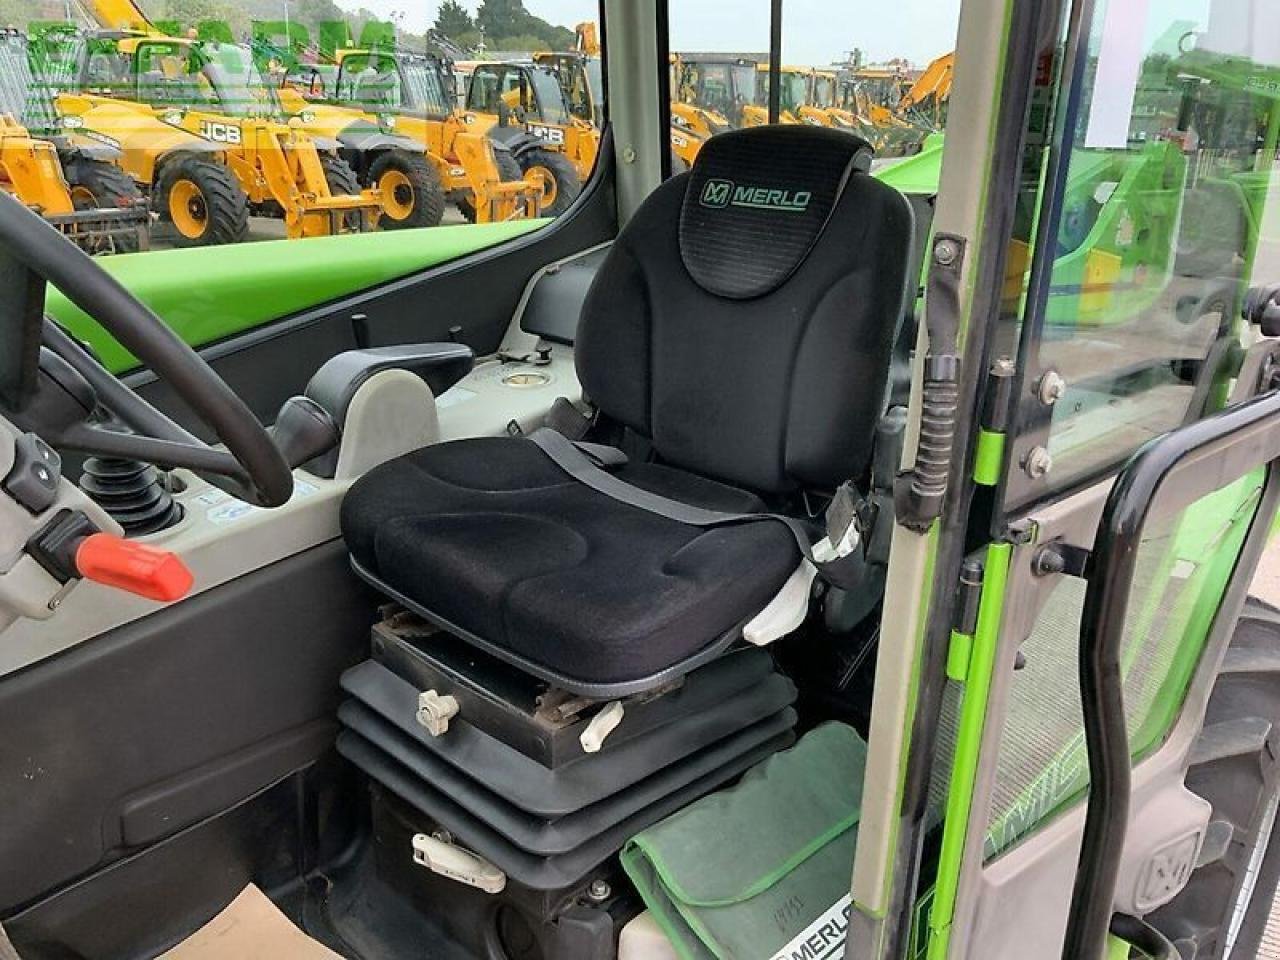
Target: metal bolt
x=1037 y=463
x=945 y=252
x=1051 y=388
x=628 y=154
x=1003 y=367
x=599 y=890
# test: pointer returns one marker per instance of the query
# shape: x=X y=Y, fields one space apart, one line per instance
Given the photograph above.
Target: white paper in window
x=1116 y=82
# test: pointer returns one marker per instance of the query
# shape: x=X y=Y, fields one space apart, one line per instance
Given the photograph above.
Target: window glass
x=1166 y=216
x=1183 y=566
x=463 y=87
x=891 y=86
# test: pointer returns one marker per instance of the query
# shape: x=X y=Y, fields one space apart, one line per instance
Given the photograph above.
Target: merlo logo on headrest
x=718 y=193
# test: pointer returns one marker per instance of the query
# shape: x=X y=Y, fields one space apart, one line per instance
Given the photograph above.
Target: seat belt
x=840 y=568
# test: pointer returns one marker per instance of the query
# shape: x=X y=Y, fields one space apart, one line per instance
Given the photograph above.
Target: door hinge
x=968 y=596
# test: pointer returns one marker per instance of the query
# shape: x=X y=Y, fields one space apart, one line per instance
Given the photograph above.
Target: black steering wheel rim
x=256 y=469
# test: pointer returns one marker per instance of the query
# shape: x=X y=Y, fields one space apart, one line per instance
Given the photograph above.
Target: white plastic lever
x=435 y=710
x=457 y=864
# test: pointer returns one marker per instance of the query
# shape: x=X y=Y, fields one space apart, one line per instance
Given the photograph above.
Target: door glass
x=1166 y=215
x=1184 y=563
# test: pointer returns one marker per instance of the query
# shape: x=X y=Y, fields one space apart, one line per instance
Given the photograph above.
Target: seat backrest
x=745 y=318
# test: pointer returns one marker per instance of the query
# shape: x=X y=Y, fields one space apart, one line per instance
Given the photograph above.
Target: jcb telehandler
x=521 y=105
x=214 y=90
x=185 y=176
x=408 y=94
x=69 y=179
x=699 y=593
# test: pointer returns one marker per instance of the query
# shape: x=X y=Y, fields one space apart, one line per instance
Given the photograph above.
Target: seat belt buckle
x=844 y=524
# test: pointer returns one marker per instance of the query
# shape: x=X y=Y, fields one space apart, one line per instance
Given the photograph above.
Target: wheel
x=555 y=175
x=97 y=185
x=1211 y=232
x=410 y=188
x=343 y=182
x=204 y=202
x=1222 y=913
x=508 y=172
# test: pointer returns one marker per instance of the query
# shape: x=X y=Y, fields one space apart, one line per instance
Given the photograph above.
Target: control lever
x=304 y=430
x=70 y=546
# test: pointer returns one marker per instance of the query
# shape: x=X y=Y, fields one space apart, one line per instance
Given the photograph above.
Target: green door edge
x=211 y=293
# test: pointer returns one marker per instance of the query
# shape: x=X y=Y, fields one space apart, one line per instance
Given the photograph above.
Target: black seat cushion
x=492 y=538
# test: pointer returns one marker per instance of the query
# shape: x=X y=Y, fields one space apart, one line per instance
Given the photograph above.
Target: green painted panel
x=964 y=772
x=988 y=458
x=918 y=174
x=210 y=293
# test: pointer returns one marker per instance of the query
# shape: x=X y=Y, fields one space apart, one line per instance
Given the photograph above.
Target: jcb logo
x=220 y=132
x=717 y=193
x=549 y=134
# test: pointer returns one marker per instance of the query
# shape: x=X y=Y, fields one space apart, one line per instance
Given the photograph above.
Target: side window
x=219 y=95
x=1163 y=224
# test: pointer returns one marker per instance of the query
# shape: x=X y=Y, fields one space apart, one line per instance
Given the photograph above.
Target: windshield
x=793 y=91
x=28 y=102
x=744 y=82
x=595 y=82
x=824 y=91
x=550 y=98
x=381 y=82
x=238 y=86
x=219 y=75
x=423 y=87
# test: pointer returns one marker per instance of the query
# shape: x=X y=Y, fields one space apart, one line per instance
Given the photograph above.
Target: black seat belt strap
x=573 y=461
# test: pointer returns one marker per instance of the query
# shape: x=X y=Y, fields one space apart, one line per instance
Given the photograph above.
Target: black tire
x=1235 y=765
x=343 y=182
x=412 y=185
x=216 y=200
x=97 y=185
x=558 y=176
x=508 y=172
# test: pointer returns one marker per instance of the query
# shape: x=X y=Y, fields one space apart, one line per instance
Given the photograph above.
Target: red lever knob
x=134 y=567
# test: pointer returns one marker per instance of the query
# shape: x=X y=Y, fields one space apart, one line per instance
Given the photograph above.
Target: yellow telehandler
x=214 y=90
x=68 y=179
x=520 y=104
x=406 y=93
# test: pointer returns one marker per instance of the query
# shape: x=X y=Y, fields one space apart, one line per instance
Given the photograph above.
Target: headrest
x=757 y=200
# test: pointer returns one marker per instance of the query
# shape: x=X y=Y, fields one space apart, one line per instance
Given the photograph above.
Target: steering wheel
x=75 y=388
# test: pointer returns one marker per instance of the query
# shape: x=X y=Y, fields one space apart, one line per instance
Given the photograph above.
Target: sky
x=815 y=32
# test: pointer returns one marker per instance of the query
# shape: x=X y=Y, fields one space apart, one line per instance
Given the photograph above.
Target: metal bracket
x=1059 y=557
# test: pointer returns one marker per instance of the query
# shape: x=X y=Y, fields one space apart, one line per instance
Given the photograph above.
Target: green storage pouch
x=761 y=870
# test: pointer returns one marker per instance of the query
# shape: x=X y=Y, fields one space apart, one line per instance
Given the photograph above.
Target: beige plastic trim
x=961 y=201
x=632 y=42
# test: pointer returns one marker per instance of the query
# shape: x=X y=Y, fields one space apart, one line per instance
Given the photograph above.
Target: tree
x=503 y=18
x=453 y=20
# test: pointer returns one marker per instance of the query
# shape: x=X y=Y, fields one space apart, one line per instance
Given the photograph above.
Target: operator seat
x=743 y=325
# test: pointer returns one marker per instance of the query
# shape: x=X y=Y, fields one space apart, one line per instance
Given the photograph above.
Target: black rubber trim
x=539 y=873
x=1138 y=933
x=1164 y=477
x=584 y=688
x=554 y=793
x=553 y=836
